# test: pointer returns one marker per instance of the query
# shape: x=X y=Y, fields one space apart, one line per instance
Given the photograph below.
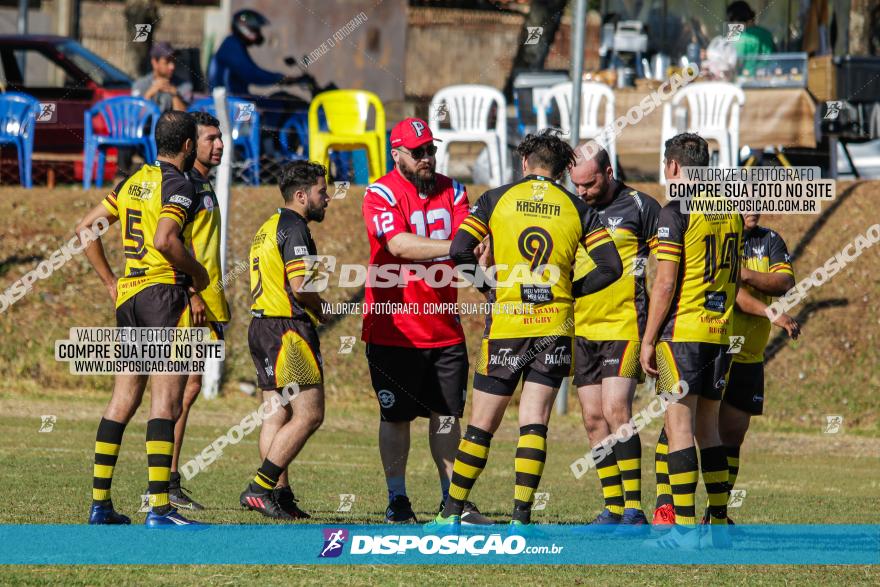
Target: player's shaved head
x=593 y=175
x=545 y=150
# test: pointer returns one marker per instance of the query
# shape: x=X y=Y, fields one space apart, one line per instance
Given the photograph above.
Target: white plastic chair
x=712 y=112
x=592 y=95
x=466 y=108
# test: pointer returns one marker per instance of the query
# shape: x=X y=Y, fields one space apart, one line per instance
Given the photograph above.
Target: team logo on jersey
x=418 y=127
x=560 y=356
x=209 y=203
x=334 y=540
x=539 y=190
x=386 y=398
x=614 y=222
x=758 y=251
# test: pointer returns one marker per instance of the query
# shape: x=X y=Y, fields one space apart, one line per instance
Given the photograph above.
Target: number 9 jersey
x=154 y=191
x=392 y=205
x=708 y=249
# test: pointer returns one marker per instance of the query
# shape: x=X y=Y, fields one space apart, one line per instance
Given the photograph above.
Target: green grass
x=789 y=478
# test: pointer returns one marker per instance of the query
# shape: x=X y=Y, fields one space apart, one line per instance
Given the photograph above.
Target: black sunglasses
x=428 y=150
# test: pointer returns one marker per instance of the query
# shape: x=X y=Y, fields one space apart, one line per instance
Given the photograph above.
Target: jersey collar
x=294 y=212
x=534 y=176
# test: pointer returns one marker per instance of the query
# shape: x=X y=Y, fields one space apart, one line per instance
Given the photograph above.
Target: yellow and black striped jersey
x=764 y=251
x=278 y=254
x=708 y=249
x=155 y=191
x=620 y=311
x=535 y=224
x=204 y=234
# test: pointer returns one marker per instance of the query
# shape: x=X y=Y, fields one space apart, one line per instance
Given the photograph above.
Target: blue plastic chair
x=245 y=121
x=18 y=115
x=130 y=122
x=347 y=163
x=299 y=124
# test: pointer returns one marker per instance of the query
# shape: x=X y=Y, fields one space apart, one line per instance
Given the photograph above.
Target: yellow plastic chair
x=347 y=113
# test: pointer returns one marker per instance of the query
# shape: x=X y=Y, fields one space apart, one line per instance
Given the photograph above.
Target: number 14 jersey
x=708 y=249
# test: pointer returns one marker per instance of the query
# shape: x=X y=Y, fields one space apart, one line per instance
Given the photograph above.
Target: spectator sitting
x=160 y=86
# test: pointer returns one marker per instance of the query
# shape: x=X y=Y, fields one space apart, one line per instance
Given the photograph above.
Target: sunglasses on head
x=428 y=150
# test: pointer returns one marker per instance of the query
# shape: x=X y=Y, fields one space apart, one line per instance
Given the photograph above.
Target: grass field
x=791 y=471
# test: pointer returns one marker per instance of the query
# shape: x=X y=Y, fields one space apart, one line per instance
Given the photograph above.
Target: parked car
x=58 y=70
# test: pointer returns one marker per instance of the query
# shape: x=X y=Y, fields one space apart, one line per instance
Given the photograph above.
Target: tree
x=542 y=20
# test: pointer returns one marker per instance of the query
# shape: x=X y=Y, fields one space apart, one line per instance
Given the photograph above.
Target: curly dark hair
x=689 y=149
x=172 y=130
x=299 y=175
x=205 y=119
x=545 y=149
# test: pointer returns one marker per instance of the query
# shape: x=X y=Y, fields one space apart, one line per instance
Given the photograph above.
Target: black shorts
x=703 y=366
x=504 y=362
x=217 y=329
x=745 y=387
x=412 y=382
x=285 y=351
x=158 y=306
x=594 y=360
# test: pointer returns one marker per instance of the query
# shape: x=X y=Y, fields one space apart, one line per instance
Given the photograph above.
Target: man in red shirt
x=415 y=343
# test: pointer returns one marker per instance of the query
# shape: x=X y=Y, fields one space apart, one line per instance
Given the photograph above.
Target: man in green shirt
x=754 y=40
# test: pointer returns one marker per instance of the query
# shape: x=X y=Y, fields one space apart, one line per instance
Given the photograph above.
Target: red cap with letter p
x=411 y=133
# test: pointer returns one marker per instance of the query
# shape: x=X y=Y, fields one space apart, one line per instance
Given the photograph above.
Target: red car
x=60 y=71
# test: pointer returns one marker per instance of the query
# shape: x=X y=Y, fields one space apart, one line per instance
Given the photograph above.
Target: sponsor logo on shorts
x=757 y=399
x=334 y=540
x=182 y=200
x=386 y=398
x=504 y=358
x=720 y=383
x=560 y=356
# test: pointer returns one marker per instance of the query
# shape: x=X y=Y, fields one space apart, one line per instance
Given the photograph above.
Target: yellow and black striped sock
x=160 y=448
x=531 y=453
x=609 y=477
x=473 y=452
x=732 y=465
x=107 y=444
x=713 y=461
x=629 y=461
x=683 y=476
x=267 y=475
x=661 y=468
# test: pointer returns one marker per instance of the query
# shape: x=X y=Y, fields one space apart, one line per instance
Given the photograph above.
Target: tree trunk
x=140 y=12
x=543 y=19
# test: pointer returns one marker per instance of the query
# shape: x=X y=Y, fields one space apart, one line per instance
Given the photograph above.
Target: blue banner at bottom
x=298 y=544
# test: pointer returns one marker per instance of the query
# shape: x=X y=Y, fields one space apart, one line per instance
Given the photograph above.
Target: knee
x=732 y=435
x=617 y=415
x=314 y=421
x=593 y=421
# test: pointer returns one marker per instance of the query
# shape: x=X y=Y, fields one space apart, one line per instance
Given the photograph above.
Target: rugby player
x=156 y=207
x=209 y=308
x=418 y=360
x=608 y=327
x=686 y=340
x=766 y=272
x=282 y=337
x=537 y=225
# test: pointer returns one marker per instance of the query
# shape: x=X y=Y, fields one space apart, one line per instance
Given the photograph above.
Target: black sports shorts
x=413 y=382
x=703 y=366
x=745 y=387
x=504 y=362
x=594 y=360
x=285 y=351
x=158 y=306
